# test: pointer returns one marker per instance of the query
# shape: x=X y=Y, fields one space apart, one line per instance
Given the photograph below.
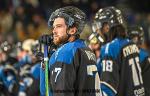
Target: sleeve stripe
x=104 y=94
x=107 y=48
x=108 y=85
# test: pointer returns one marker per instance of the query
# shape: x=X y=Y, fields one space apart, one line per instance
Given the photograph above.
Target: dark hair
x=73 y=16
x=117 y=31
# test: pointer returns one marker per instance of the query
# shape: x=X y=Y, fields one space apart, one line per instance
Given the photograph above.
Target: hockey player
x=72 y=66
x=136 y=34
x=120 y=71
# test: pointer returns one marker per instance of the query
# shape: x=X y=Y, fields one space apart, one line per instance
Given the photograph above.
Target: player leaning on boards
x=72 y=67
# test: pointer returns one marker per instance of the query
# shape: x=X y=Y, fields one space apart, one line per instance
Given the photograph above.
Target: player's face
x=105 y=28
x=135 y=39
x=59 y=31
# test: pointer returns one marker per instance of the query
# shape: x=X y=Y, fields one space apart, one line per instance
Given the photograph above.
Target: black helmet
x=110 y=15
x=72 y=16
x=136 y=31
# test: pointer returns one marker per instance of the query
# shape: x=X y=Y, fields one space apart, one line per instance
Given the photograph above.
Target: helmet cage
x=96 y=26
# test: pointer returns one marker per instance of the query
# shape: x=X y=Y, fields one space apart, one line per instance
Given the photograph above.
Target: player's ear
x=72 y=30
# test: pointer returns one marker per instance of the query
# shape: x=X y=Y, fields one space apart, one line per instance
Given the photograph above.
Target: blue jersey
x=73 y=71
x=119 y=69
x=35 y=71
x=145 y=65
x=8 y=77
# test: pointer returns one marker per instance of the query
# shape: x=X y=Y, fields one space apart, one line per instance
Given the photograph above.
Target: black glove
x=46 y=39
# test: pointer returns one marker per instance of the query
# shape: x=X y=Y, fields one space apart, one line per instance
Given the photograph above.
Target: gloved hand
x=39 y=50
x=46 y=39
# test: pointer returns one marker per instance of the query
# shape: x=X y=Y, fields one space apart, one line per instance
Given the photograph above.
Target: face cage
x=96 y=26
x=69 y=20
x=95 y=34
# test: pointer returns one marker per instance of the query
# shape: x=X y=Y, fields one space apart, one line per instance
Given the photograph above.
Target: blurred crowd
x=22 y=19
x=19 y=69
x=22 y=22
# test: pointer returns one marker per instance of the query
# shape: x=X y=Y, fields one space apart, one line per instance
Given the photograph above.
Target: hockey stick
x=46 y=68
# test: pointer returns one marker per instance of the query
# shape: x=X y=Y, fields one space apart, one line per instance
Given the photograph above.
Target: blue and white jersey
x=35 y=71
x=73 y=71
x=145 y=66
x=119 y=69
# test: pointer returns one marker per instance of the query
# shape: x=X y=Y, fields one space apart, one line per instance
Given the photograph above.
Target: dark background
x=23 y=19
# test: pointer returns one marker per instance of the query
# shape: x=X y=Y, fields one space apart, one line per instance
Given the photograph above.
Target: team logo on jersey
x=91 y=56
